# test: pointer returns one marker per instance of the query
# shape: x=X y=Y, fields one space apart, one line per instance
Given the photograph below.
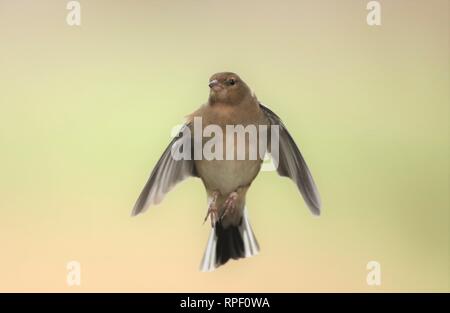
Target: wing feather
x=291 y=163
x=167 y=173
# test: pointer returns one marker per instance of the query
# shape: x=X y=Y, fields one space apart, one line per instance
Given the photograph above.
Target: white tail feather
x=251 y=246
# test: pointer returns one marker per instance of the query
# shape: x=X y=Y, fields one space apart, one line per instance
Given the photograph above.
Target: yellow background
x=86 y=111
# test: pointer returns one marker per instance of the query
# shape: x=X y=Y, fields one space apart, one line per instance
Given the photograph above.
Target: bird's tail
x=233 y=242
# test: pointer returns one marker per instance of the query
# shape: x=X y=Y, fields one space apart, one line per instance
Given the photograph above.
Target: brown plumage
x=230 y=102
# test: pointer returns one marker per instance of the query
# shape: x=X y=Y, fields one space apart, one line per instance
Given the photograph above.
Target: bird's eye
x=231 y=82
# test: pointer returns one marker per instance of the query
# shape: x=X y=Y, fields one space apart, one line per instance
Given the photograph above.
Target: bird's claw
x=212 y=211
x=230 y=204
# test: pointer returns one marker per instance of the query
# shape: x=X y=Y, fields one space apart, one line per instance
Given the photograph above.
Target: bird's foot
x=213 y=211
x=230 y=204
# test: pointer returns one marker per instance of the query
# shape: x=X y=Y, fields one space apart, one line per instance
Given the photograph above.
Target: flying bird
x=227 y=180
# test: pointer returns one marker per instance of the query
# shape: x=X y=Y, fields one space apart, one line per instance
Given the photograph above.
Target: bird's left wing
x=290 y=163
x=167 y=173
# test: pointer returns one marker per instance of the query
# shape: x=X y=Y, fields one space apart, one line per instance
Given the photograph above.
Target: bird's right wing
x=167 y=173
x=290 y=163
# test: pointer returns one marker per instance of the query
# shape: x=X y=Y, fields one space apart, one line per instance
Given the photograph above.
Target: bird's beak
x=213 y=83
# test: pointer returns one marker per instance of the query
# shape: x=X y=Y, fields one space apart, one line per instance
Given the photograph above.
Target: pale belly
x=226 y=176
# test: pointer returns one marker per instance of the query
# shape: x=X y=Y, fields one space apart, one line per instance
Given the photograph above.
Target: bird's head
x=227 y=88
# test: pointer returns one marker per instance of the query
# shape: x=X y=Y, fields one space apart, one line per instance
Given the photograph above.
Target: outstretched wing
x=167 y=173
x=291 y=163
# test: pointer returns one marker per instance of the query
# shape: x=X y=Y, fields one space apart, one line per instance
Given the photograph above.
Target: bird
x=227 y=180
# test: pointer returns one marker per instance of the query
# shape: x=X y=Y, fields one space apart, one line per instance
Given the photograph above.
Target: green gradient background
x=85 y=112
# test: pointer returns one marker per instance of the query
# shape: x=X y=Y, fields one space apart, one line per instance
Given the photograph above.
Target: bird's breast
x=231 y=159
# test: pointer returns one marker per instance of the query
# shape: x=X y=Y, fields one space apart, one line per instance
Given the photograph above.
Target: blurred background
x=86 y=111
